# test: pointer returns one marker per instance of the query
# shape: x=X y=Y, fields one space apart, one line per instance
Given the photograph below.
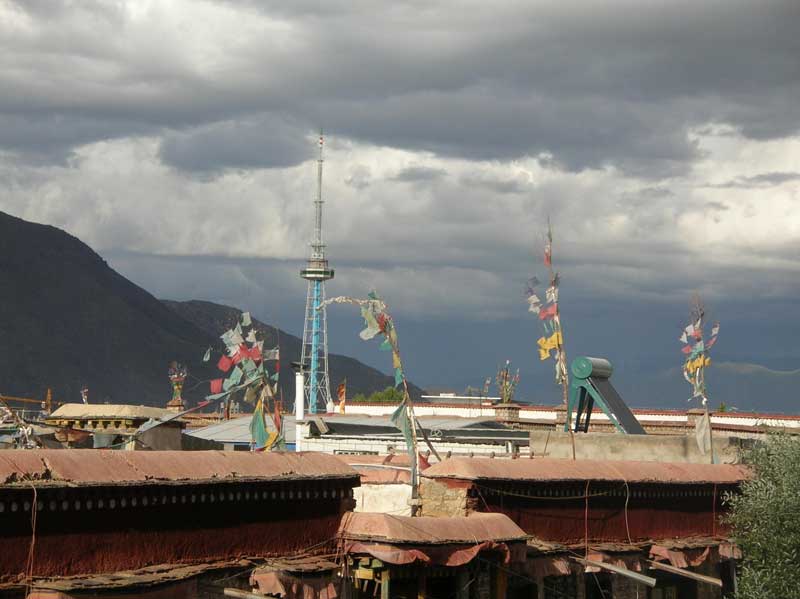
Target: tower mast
x=314 y=358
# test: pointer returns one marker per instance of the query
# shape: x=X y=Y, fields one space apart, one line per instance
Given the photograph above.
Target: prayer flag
x=207 y=355
x=241 y=354
x=216 y=386
x=402 y=421
x=548 y=311
x=683 y=338
x=246 y=321
x=224 y=363
x=258 y=428
x=711 y=343
x=552 y=294
x=715 y=329
x=697 y=349
x=233 y=378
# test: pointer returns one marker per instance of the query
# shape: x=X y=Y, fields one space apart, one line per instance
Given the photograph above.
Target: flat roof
x=554 y=469
x=80 y=411
x=92 y=467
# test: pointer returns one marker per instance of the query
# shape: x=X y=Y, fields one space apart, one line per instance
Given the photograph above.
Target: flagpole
x=562 y=356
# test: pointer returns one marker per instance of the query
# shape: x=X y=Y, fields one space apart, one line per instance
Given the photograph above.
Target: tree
x=765 y=518
x=388 y=395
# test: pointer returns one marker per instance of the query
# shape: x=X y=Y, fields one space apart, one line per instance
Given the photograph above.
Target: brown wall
x=70 y=541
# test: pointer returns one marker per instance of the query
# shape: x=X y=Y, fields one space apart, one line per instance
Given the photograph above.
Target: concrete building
x=536 y=417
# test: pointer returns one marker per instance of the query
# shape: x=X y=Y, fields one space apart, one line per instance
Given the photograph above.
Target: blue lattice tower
x=315 y=331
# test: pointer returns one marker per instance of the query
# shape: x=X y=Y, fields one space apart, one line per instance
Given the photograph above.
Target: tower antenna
x=314 y=357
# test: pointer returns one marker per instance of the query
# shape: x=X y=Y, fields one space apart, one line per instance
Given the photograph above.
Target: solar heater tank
x=584 y=367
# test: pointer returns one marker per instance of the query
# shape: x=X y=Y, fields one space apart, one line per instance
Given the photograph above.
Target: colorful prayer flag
x=548 y=311
x=224 y=363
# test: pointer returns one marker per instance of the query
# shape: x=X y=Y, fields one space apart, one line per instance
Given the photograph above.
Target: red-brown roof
x=427 y=530
x=84 y=467
x=380 y=469
x=552 y=469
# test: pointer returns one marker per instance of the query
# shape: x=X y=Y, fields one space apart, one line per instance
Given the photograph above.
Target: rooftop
x=80 y=411
x=471 y=529
x=90 y=467
x=551 y=469
x=237 y=430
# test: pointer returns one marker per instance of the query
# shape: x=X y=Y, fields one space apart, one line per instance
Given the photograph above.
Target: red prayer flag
x=711 y=342
x=241 y=354
x=224 y=363
x=548 y=312
x=423 y=462
x=687 y=349
x=216 y=386
x=255 y=353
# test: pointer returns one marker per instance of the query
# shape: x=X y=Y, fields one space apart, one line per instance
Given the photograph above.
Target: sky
x=661 y=140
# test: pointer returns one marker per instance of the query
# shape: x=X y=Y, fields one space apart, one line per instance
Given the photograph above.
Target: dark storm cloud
x=599 y=84
x=261 y=142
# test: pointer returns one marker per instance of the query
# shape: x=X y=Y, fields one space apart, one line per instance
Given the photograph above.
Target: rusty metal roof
x=471 y=529
x=552 y=469
x=86 y=467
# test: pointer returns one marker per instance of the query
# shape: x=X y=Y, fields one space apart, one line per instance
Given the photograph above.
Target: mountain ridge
x=68 y=320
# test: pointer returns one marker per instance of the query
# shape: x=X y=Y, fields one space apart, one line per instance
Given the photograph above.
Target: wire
x=29 y=564
x=586 y=519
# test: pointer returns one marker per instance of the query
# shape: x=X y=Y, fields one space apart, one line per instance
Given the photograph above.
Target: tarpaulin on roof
x=428 y=530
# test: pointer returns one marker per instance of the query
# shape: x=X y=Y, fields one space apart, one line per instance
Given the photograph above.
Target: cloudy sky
x=661 y=139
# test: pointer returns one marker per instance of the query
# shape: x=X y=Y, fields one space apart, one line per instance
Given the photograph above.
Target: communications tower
x=314 y=358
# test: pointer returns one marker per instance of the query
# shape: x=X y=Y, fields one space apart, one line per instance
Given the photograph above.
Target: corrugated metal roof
x=551 y=469
x=237 y=430
x=471 y=529
x=82 y=411
x=86 y=467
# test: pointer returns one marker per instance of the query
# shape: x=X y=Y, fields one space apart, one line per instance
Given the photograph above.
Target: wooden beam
x=687 y=573
x=640 y=578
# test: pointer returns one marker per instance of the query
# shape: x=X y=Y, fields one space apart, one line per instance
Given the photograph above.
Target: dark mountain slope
x=216 y=318
x=67 y=319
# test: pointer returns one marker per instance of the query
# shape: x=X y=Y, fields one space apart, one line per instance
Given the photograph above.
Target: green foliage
x=766 y=521
x=388 y=395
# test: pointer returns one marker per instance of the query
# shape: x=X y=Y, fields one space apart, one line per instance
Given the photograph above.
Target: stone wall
x=648 y=448
x=441 y=499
